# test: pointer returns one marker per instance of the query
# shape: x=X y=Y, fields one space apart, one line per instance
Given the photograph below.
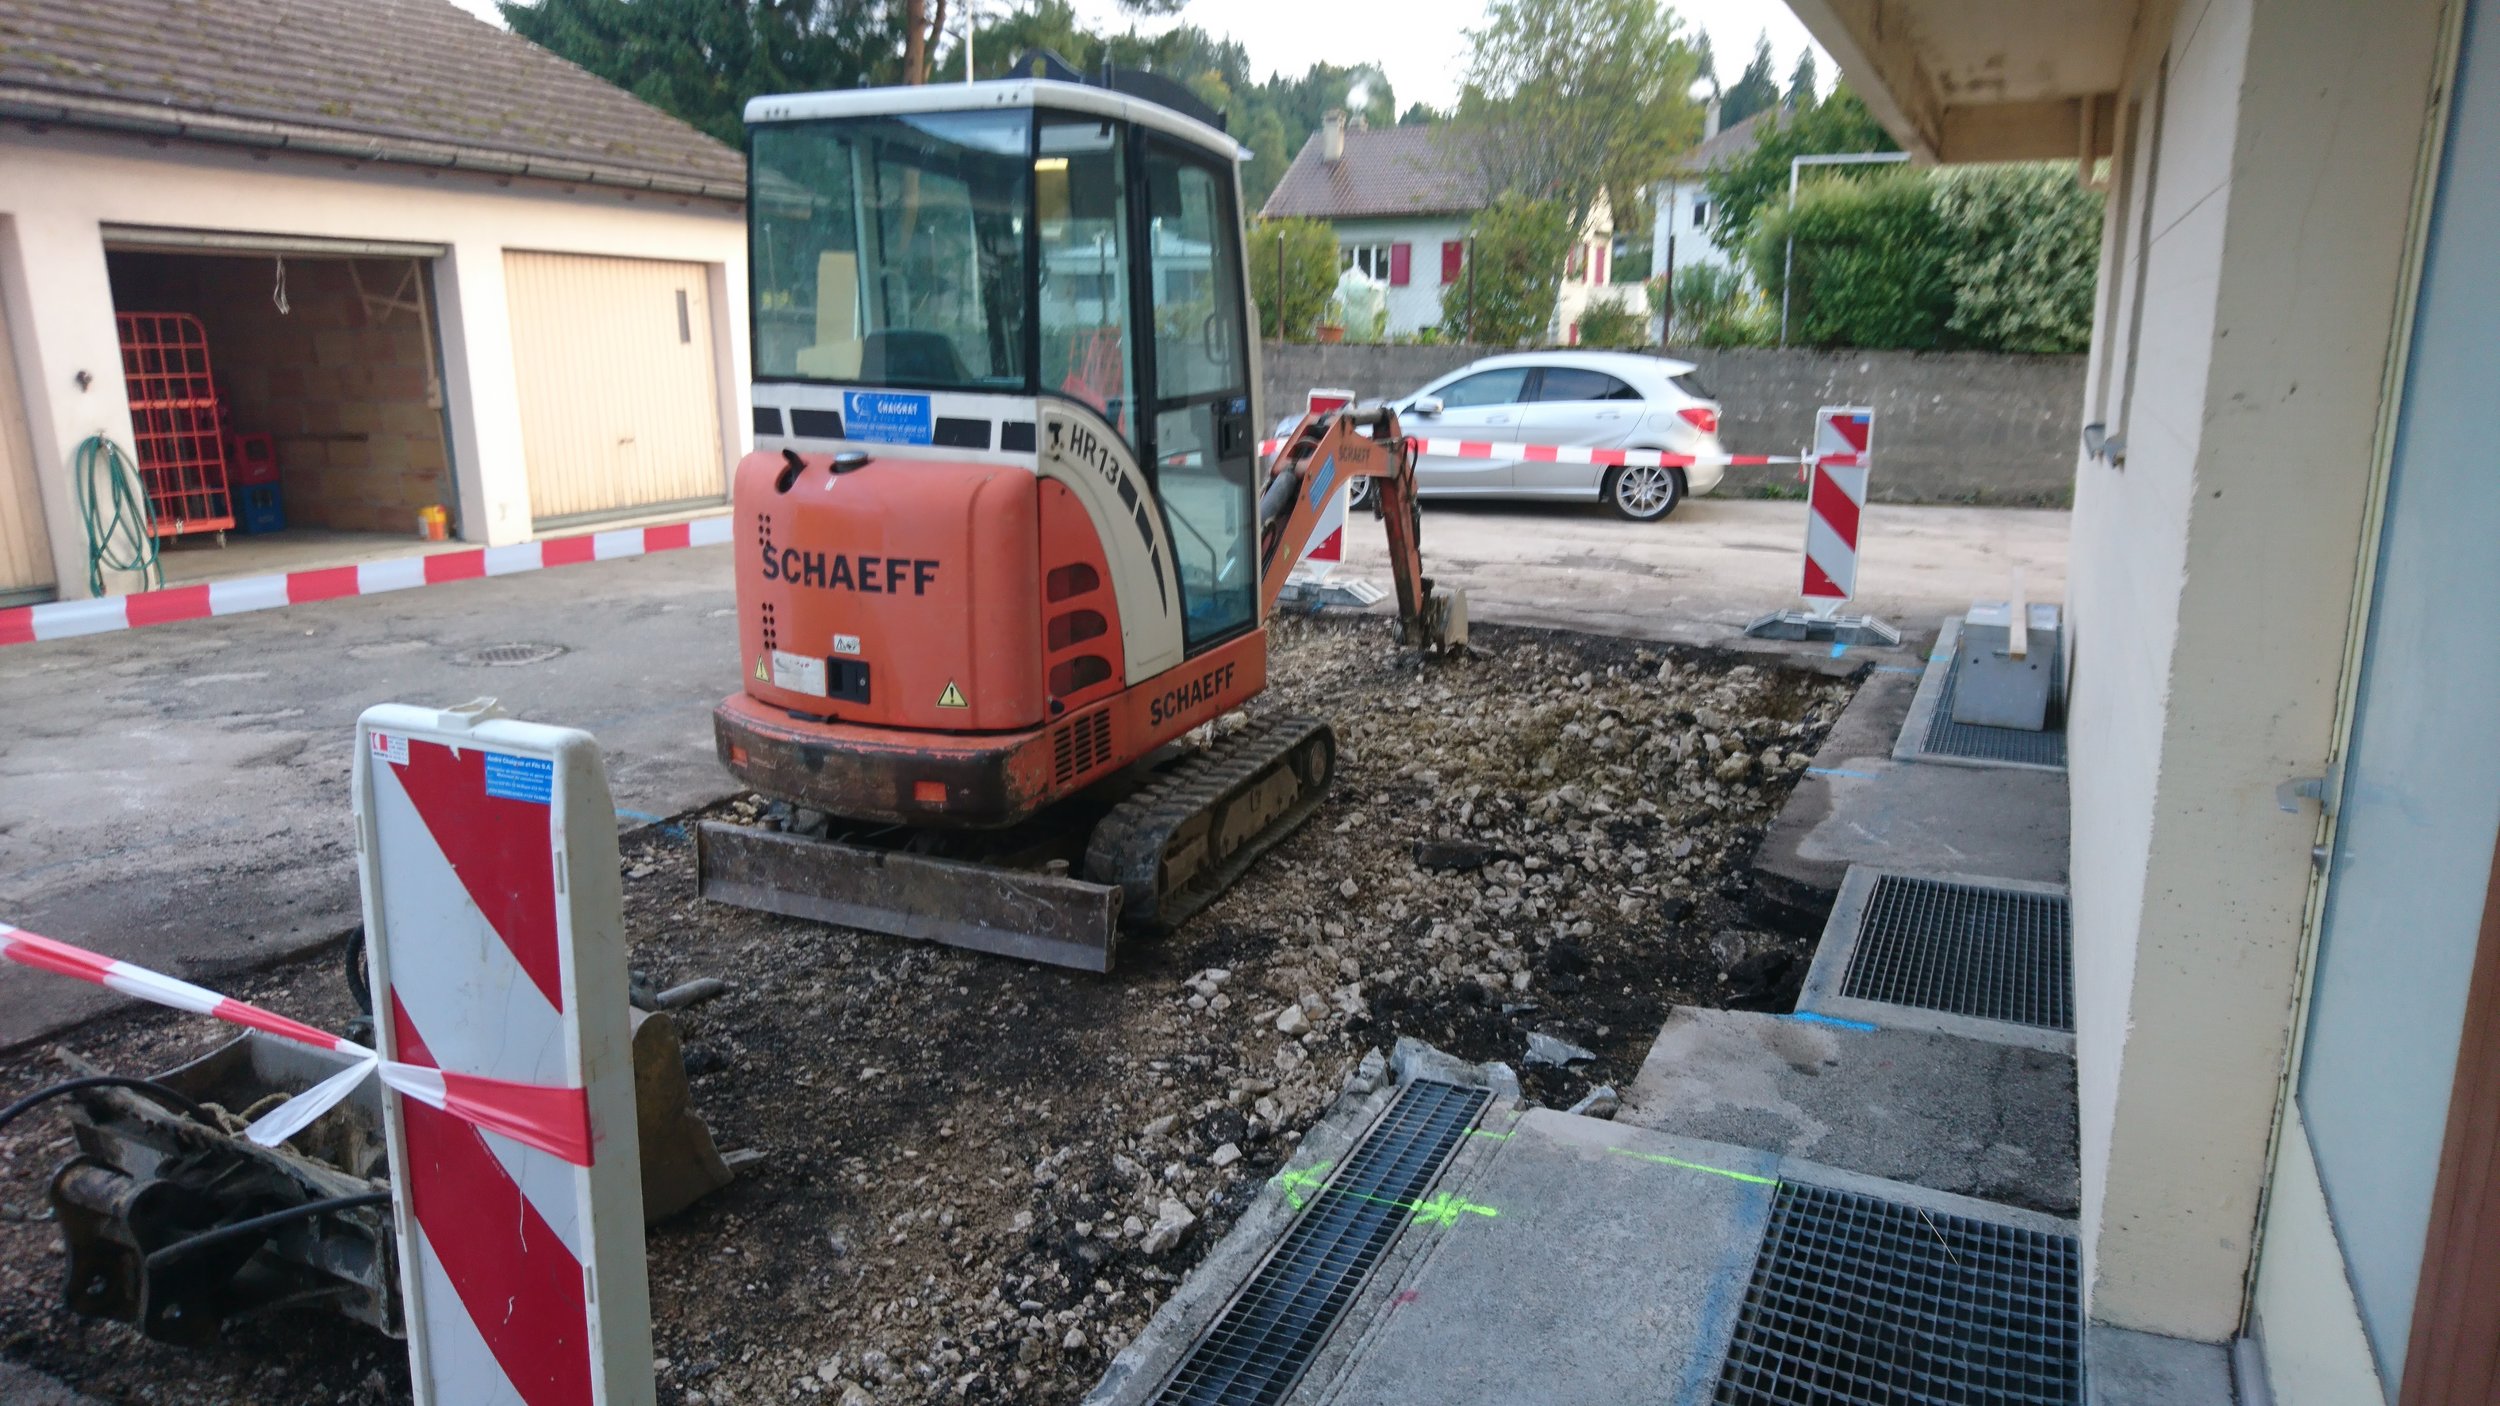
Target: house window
x=1701 y=214
x=1372 y=259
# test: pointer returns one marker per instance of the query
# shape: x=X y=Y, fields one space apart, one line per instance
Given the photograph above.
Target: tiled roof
x=1386 y=171
x=415 y=81
x=1728 y=142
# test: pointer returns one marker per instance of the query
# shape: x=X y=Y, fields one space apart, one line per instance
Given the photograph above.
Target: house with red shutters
x=1400 y=199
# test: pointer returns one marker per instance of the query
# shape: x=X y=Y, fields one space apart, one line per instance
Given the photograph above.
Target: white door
x=1486 y=406
x=2411 y=859
x=619 y=382
x=1582 y=409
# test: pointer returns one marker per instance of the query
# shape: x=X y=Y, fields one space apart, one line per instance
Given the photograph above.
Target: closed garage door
x=25 y=555
x=620 y=402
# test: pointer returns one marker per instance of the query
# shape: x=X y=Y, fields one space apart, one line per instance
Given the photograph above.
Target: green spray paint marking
x=1309 y=1178
x=1695 y=1166
x=1497 y=1137
x=1445 y=1209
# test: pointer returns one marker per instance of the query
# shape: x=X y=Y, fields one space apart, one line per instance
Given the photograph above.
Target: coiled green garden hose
x=129 y=520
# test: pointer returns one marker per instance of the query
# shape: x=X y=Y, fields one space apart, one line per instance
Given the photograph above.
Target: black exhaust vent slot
x=816 y=424
x=768 y=420
x=1080 y=745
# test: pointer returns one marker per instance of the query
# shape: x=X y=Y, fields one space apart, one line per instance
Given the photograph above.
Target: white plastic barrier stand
x=1326 y=549
x=496 y=933
x=1836 y=499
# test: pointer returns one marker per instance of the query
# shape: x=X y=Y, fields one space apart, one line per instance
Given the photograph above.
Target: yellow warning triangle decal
x=760 y=671
x=953 y=697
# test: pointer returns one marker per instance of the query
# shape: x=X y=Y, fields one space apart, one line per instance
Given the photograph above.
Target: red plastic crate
x=251 y=459
x=175 y=423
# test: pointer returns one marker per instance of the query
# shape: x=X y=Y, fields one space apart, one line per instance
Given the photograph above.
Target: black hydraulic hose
x=150 y=1087
x=260 y=1224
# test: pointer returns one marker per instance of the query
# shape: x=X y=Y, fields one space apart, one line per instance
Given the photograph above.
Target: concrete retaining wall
x=1950 y=427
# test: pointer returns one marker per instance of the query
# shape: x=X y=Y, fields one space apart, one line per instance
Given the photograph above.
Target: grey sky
x=1422 y=43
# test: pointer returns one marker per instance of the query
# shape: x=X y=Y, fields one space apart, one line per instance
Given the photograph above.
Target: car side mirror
x=1426 y=405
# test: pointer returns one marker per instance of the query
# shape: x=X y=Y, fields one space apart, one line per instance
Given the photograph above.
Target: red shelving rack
x=174 y=419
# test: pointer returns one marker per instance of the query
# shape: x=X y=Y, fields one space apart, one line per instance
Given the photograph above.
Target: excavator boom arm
x=1325 y=452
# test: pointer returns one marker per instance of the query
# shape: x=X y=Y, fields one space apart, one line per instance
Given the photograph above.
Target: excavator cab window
x=1202 y=447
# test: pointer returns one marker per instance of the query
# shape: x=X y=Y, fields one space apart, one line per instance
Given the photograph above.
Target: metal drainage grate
x=2047 y=747
x=1998 y=954
x=506 y=656
x=1266 y=1337
x=1865 y=1301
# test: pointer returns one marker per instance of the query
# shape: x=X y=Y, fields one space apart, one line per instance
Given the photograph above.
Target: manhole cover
x=507 y=656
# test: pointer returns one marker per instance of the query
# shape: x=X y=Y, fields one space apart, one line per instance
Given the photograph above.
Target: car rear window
x=1691 y=384
x=1580 y=383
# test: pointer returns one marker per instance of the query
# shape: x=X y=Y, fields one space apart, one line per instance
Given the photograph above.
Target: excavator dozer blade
x=1039 y=917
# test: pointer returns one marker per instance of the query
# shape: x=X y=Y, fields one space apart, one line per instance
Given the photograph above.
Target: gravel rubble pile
x=980 y=1178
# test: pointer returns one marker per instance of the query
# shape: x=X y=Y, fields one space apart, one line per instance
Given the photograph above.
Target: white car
x=1600 y=400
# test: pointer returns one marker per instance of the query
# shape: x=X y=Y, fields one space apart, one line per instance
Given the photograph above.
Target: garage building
x=377 y=255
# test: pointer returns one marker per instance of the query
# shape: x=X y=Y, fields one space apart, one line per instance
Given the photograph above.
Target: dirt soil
x=981 y=1177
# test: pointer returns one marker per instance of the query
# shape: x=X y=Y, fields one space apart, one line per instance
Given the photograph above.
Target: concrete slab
x=1821 y=993
x=179 y=795
x=1613 y=1272
x=1991 y=1121
x=1857 y=805
x=2122 y=1367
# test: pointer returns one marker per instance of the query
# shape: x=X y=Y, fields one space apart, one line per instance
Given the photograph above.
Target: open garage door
x=619 y=383
x=25 y=553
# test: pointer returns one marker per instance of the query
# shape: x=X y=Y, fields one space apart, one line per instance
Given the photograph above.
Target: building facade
x=2286 y=904
x=523 y=304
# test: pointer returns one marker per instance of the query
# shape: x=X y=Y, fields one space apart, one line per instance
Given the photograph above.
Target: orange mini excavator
x=1007 y=537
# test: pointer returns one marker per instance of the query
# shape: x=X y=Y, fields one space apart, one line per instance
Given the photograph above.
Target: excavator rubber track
x=1177 y=844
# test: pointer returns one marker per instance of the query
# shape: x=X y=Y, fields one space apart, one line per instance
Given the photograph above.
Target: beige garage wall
x=614 y=361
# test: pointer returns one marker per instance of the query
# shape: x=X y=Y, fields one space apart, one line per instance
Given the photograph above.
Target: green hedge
x=1307 y=252
x=1999 y=258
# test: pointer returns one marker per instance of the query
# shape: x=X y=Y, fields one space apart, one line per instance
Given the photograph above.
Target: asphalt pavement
x=178 y=795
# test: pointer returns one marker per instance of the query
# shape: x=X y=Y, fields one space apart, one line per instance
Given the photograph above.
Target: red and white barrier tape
x=27 y=624
x=553 y=1120
x=1571 y=454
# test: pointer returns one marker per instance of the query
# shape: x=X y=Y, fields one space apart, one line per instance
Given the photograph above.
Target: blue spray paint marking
x=1897 y=669
x=639 y=816
x=1717 y=1321
x=1839 y=649
x=1818 y=1018
x=1839 y=771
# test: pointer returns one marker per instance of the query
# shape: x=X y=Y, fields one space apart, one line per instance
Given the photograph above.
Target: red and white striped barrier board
x=26 y=624
x=496 y=932
x=549 y=1119
x=1327 y=545
x=1835 y=500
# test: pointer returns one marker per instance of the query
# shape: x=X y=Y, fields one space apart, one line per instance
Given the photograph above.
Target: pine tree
x=1756 y=91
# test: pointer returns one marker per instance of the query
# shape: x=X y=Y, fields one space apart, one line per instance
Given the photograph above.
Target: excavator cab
x=1006 y=534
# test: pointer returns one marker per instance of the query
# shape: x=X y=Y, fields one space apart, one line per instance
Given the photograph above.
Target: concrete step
x=1970 y=1117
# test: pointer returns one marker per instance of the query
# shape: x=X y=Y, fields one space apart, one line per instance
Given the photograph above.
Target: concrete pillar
x=60 y=305
x=2211 y=590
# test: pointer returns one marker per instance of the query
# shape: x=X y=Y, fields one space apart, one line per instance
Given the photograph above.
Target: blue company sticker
x=520 y=778
x=885 y=417
x=1324 y=480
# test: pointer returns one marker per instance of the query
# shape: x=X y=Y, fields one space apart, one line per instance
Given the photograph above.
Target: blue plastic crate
x=262 y=508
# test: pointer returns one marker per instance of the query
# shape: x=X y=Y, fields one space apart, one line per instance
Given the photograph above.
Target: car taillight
x=1701 y=417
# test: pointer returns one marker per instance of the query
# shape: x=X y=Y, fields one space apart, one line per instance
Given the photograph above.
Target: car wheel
x=1643 y=492
x=1358 y=495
